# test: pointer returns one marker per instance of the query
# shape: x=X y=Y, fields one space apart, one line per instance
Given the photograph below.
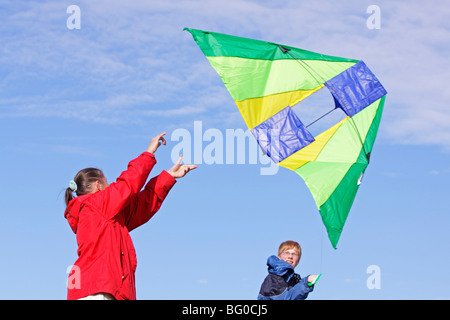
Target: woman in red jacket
x=102 y=216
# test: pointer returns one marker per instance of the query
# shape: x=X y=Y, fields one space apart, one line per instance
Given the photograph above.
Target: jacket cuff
x=306 y=283
x=162 y=184
x=146 y=153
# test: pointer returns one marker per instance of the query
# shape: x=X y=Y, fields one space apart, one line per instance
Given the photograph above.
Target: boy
x=282 y=283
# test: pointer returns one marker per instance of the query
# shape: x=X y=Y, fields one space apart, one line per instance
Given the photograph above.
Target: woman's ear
x=101 y=184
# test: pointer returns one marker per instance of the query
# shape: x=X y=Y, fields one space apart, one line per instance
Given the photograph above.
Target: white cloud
x=39 y=149
x=439 y=172
x=131 y=61
x=391 y=174
x=75 y=150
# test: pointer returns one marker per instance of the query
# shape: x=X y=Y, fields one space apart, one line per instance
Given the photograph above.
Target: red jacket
x=102 y=222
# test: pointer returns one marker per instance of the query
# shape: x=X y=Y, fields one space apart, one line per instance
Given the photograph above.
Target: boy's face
x=291 y=256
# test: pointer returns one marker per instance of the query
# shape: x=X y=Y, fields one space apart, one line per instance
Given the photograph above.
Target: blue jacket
x=282 y=283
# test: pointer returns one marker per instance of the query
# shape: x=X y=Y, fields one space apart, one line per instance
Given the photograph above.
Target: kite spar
x=266 y=79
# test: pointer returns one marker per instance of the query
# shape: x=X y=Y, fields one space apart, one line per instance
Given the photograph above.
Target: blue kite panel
x=282 y=134
x=355 y=88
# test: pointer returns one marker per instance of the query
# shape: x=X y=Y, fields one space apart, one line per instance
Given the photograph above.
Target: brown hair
x=287 y=245
x=84 y=180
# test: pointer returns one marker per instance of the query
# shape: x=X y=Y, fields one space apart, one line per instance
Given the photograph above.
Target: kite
x=266 y=79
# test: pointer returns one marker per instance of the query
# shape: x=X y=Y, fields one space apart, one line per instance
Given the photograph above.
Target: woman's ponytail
x=68 y=196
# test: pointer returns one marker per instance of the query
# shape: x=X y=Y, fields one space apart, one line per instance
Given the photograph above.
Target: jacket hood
x=279 y=267
x=72 y=212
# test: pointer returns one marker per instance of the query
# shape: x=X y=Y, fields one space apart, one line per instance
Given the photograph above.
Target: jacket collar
x=72 y=212
x=280 y=267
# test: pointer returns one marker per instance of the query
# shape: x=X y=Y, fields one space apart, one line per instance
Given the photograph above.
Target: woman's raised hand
x=156 y=142
x=179 y=170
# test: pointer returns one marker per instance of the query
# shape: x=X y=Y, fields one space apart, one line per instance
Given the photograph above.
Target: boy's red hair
x=287 y=245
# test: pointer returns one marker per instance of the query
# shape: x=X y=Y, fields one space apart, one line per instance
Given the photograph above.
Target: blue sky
x=70 y=99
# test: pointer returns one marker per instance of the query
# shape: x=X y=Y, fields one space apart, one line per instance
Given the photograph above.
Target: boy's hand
x=179 y=170
x=312 y=278
x=156 y=142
